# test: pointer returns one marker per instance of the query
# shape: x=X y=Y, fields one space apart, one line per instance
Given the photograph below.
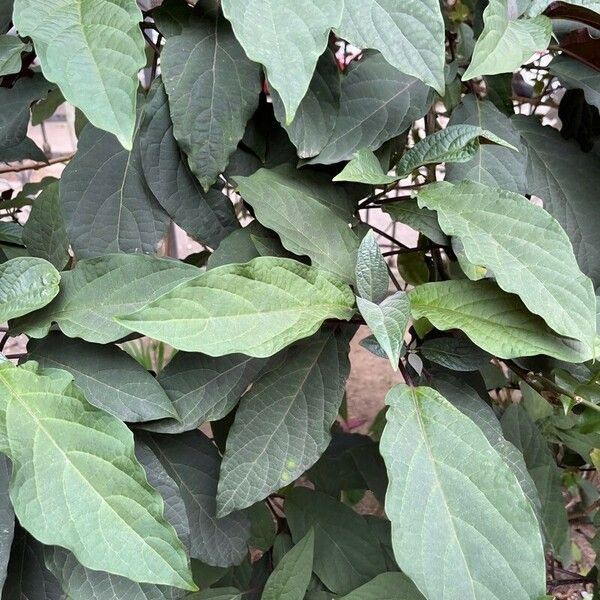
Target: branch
x=37 y=166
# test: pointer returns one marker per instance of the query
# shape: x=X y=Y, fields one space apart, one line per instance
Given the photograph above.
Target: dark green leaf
x=387 y=586
x=7 y=519
x=457 y=353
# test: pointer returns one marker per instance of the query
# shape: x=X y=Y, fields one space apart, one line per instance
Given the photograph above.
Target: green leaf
x=109 y=377
x=378 y=103
x=282 y=425
x=372 y=279
x=290 y=204
x=213 y=88
x=573 y=74
x=290 y=578
x=14 y=118
x=44 y=232
x=207 y=217
x=228 y=593
x=420 y=219
x=193 y=462
x=506 y=41
x=203 y=388
x=122 y=282
x=537 y=7
x=567 y=180
x=28 y=578
x=435 y=453
x=284 y=33
x=519 y=429
x=6 y=11
x=494 y=320
x=457 y=353
x=492 y=164
x=262 y=527
x=106 y=50
x=388 y=322
x=47 y=106
x=84 y=457
x=410 y=36
x=11 y=48
x=256 y=308
x=456 y=143
x=365 y=168
x=26 y=284
x=80 y=583
x=508 y=234
x=347 y=554
x=106 y=201
x=7 y=519
x=316 y=115
x=387 y=586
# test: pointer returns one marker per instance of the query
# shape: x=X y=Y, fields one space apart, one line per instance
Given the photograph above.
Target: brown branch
x=37 y=166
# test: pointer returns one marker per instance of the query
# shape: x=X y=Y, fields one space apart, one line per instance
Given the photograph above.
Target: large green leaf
x=80 y=583
x=282 y=425
x=287 y=37
x=213 y=88
x=567 y=180
x=372 y=278
x=109 y=377
x=207 y=217
x=44 y=232
x=347 y=554
x=508 y=234
x=573 y=74
x=410 y=35
x=203 y=388
x=96 y=41
x=388 y=322
x=496 y=321
x=98 y=289
x=193 y=462
x=507 y=41
x=378 y=103
x=11 y=48
x=67 y=453
x=316 y=115
x=106 y=201
x=26 y=284
x=387 y=586
x=256 y=308
x=289 y=204
x=519 y=429
x=7 y=518
x=494 y=548
x=291 y=576
x=456 y=143
x=492 y=164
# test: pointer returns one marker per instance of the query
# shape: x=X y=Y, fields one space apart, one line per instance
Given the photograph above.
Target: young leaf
x=506 y=41
x=256 y=308
x=365 y=168
x=26 y=284
x=372 y=279
x=387 y=586
x=109 y=377
x=496 y=545
x=291 y=576
x=106 y=47
x=213 y=88
x=519 y=429
x=283 y=34
x=347 y=553
x=98 y=289
x=378 y=103
x=497 y=322
x=44 y=232
x=284 y=201
x=317 y=113
x=388 y=322
x=106 y=202
x=84 y=457
x=410 y=36
x=508 y=234
x=456 y=143
x=283 y=423
x=193 y=462
x=11 y=48
x=207 y=217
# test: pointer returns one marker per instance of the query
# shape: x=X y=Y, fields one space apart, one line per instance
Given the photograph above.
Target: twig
x=37 y=166
x=387 y=236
